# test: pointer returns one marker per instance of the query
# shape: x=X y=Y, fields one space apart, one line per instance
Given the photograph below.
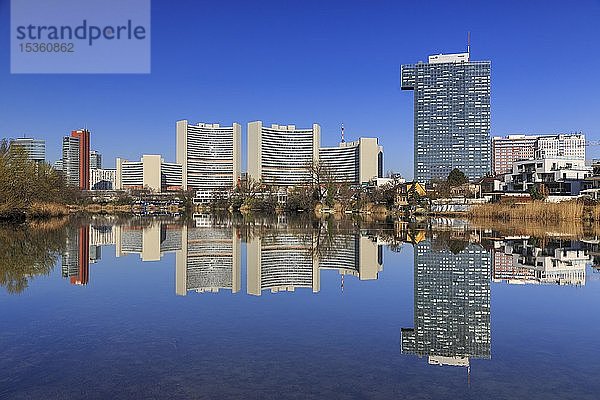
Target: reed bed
x=535 y=211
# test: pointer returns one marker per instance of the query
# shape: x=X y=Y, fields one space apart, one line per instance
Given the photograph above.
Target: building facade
x=451 y=116
x=151 y=172
x=83 y=137
x=508 y=149
x=70 y=160
x=95 y=160
x=35 y=148
x=281 y=155
x=562 y=176
x=103 y=179
x=210 y=155
x=354 y=162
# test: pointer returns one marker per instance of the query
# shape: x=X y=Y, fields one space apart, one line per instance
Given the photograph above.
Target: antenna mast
x=469 y=42
x=343 y=140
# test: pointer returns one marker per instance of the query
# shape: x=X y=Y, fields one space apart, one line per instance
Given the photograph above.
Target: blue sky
x=299 y=62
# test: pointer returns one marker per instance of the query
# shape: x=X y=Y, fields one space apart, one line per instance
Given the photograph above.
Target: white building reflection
x=523 y=260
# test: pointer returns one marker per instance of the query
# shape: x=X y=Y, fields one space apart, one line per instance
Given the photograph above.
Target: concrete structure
x=35 y=148
x=451 y=116
x=210 y=155
x=95 y=160
x=152 y=172
x=103 y=179
x=354 y=162
x=209 y=260
x=281 y=155
x=562 y=176
x=508 y=149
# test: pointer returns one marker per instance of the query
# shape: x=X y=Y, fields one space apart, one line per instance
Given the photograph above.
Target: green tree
x=456 y=177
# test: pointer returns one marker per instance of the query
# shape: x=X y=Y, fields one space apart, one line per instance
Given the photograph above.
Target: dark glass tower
x=451 y=116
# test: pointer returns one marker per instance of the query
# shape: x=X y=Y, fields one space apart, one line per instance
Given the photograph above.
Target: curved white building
x=353 y=162
x=279 y=155
x=209 y=155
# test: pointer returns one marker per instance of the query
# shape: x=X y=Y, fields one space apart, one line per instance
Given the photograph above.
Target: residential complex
x=210 y=155
x=354 y=162
x=281 y=155
x=35 y=148
x=151 y=172
x=451 y=116
x=508 y=149
x=559 y=175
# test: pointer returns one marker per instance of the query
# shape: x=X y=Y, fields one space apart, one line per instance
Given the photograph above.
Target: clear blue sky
x=299 y=62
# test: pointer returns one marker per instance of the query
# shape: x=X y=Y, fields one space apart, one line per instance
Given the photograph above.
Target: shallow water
x=214 y=308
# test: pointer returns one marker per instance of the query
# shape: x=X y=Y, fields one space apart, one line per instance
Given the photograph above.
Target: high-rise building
x=509 y=149
x=152 y=172
x=210 y=155
x=95 y=160
x=70 y=160
x=150 y=241
x=281 y=155
x=353 y=162
x=35 y=148
x=451 y=115
x=83 y=135
x=451 y=306
x=76 y=158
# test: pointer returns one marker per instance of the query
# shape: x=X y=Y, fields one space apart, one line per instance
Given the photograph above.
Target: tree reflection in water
x=29 y=250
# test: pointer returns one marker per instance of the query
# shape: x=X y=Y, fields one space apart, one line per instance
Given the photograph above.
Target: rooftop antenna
x=343 y=141
x=469 y=42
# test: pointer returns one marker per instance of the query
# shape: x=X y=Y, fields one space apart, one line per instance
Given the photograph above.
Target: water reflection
x=451 y=301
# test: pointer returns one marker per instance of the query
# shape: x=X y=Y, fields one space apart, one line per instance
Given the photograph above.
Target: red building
x=84 y=157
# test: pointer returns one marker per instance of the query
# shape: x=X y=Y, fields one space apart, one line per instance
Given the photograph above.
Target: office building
x=76 y=158
x=102 y=179
x=210 y=155
x=83 y=137
x=95 y=160
x=35 y=148
x=151 y=172
x=451 y=116
x=354 y=162
x=509 y=149
x=451 y=305
x=70 y=160
x=280 y=155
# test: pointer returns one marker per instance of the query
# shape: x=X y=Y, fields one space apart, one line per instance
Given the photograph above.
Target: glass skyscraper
x=451 y=116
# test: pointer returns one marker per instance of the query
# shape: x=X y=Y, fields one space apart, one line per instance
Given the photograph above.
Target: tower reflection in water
x=451 y=303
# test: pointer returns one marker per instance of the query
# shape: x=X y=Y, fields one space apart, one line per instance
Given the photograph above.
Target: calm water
x=214 y=308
